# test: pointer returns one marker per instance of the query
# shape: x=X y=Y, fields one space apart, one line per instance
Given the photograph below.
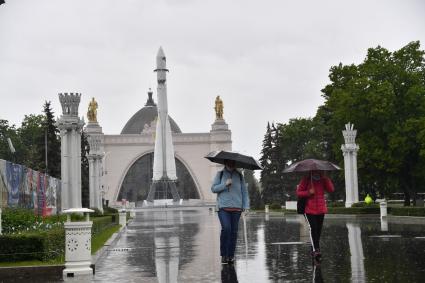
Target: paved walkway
x=183 y=246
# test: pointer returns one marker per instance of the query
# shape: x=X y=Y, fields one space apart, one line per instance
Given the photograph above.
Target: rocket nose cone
x=160 y=52
x=160 y=59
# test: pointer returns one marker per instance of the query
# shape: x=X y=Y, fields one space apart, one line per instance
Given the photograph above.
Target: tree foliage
x=384 y=97
x=53 y=142
x=253 y=189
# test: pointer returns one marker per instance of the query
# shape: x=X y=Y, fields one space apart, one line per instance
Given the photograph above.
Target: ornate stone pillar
x=349 y=150
x=95 y=156
x=70 y=126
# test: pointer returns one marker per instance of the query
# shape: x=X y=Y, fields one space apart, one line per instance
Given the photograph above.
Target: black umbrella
x=311 y=165
x=242 y=161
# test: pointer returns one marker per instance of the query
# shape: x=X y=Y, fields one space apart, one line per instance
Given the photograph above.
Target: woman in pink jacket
x=313 y=187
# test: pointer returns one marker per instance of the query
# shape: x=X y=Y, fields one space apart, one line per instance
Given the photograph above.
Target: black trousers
x=315 y=222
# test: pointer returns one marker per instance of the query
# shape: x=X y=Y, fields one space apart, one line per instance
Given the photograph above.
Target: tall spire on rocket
x=164 y=165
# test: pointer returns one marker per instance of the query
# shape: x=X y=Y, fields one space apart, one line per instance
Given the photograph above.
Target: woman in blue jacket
x=232 y=199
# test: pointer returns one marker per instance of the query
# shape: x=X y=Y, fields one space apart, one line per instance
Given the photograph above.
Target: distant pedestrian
x=312 y=187
x=232 y=200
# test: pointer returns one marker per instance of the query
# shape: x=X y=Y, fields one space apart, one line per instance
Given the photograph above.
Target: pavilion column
x=95 y=139
x=70 y=126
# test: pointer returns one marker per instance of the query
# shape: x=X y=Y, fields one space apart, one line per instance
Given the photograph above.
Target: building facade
x=128 y=158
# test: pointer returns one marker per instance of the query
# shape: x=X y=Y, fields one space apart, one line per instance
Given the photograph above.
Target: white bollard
x=123 y=218
x=266 y=209
x=77 y=245
x=132 y=213
x=384 y=224
x=383 y=207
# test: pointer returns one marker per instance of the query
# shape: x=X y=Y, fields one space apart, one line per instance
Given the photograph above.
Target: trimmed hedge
x=43 y=246
x=353 y=210
x=275 y=206
x=407 y=211
x=363 y=204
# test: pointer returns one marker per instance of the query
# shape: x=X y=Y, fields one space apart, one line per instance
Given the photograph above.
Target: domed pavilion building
x=127 y=158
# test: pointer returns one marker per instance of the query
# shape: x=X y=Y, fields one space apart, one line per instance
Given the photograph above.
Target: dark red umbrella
x=311 y=165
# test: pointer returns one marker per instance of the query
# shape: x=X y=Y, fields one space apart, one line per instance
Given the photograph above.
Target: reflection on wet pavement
x=183 y=246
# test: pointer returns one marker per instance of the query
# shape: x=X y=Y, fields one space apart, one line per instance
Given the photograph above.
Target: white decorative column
x=349 y=150
x=77 y=245
x=95 y=157
x=70 y=126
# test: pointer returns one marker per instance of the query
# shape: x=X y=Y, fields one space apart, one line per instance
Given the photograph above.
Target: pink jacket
x=316 y=203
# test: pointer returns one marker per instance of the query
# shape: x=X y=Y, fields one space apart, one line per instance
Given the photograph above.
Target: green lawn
x=100 y=239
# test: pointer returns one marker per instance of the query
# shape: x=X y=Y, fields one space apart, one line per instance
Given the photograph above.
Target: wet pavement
x=183 y=246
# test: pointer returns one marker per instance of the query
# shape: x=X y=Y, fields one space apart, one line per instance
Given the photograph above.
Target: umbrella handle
x=311 y=181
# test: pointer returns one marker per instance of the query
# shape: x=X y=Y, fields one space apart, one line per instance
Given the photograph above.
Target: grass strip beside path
x=100 y=239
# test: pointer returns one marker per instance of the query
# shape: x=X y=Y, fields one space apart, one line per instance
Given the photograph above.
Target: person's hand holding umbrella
x=228 y=183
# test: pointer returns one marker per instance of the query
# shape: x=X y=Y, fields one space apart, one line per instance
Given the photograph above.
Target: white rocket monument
x=164 y=166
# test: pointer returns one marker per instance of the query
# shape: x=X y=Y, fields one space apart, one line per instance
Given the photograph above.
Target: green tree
x=31 y=134
x=271 y=175
x=253 y=189
x=385 y=99
x=53 y=142
x=296 y=142
x=8 y=131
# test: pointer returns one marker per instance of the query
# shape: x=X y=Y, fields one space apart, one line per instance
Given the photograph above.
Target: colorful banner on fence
x=22 y=187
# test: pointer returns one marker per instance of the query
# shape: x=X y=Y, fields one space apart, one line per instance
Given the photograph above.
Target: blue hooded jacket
x=236 y=196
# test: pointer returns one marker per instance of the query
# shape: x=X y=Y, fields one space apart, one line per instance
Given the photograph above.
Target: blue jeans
x=229 y=221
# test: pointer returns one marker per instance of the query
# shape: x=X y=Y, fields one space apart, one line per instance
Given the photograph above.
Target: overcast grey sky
x=268 y=60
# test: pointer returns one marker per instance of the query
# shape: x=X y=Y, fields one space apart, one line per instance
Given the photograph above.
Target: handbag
x=301 y=202
x=301 y=205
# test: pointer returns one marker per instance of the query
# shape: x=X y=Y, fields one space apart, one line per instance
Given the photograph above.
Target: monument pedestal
x=164 y=188
x=77 y=245
x=95 y=158
x=219 y=125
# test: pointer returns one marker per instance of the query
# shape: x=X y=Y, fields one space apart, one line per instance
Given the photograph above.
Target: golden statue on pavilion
x=218 y=108
x=92 y=112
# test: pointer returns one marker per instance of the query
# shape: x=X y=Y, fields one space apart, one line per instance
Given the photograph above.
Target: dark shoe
x=224 y=260
x=231 y=260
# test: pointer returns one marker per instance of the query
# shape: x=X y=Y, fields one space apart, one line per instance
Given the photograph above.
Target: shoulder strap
x=221 y=175
x=240 y=175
